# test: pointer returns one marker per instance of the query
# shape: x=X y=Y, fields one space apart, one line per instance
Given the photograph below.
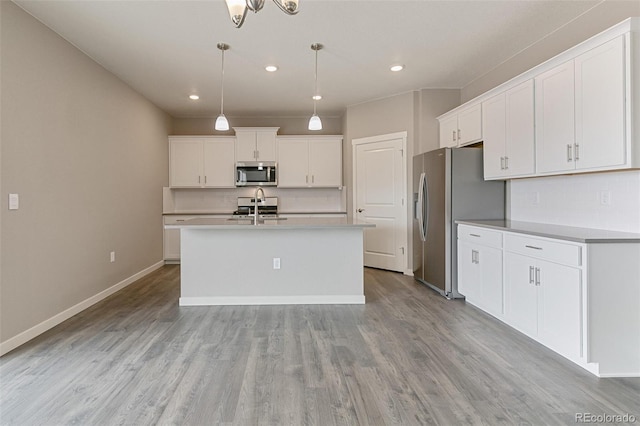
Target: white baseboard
x=272 y=300
x=48 y=324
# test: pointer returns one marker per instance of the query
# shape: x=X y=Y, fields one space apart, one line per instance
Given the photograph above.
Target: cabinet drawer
x=480 y=236
x=553 y=251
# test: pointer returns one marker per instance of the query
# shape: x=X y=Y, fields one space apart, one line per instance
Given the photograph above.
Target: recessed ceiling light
x=271 y=68
x=194 y=97
x=316 y=97
x=396 y=68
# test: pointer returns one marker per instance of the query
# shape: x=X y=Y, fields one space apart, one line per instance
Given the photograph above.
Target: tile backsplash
x=596 y=200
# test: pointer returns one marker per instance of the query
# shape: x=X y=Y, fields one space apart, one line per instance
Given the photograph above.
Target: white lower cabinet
x=581 y=300
x=480 y=268
x=544 y=299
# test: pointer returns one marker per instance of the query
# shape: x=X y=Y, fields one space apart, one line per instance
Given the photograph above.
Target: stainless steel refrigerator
x=450 y=186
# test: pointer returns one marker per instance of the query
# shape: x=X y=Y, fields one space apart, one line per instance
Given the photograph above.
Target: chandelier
x=238 y=8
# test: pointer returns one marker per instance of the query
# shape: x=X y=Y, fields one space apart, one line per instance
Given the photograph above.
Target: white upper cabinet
x=555 y=119
x=582 y=116
x=256 y=143
x=201 y=162
x=580 y=112
x=508 y=129
x=462 y=127
x=449 y=131
x=600 y=107
x=310 y=161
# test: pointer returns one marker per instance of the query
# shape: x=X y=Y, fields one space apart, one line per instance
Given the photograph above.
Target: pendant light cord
x=222 y=85
x=315 y=92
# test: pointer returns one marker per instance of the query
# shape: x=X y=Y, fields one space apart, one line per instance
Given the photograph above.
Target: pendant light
x=238 y=8
x=314 y=122
x=221 y=122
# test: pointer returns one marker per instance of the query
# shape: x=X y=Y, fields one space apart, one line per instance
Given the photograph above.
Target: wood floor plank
x=407 y=357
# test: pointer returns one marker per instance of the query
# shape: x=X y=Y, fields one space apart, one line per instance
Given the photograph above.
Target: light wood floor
x=406 y=357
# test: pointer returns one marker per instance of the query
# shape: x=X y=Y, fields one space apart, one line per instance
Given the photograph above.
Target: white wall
x=580 y=200
x=88 y=157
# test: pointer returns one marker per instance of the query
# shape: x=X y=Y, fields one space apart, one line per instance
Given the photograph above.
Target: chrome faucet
x=260 y=191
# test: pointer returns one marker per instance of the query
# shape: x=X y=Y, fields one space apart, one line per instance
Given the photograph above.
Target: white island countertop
x=280 y=223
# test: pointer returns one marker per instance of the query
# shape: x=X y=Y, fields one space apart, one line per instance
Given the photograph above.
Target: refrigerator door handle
x=425 y=207
x=420 y=210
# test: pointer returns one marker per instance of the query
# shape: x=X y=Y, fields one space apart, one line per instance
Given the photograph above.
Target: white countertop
x=288 y=223
x=568 y=233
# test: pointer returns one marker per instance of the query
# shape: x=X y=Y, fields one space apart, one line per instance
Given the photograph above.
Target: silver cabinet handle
x=360 y=210
x=501 y=163
x=306 y=179
x=577 y=152
x=531 y=274
x=459 y=134
x=198 y=178
x=506 y=163
x=477 y=257
x=453 y=136
x=205 y=179
x=534 y=247
x=538 y=276
x=313 y=178
x=569 y=159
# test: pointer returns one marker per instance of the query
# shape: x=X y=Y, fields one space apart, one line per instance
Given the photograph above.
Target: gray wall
x=288 y=125
x=596 y=20
x=88 y=157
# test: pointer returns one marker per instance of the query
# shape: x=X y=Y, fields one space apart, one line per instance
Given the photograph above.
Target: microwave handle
x=268 y=174
x=239 y=177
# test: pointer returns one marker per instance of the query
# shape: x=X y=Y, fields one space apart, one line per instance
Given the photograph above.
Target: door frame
x=405 y=201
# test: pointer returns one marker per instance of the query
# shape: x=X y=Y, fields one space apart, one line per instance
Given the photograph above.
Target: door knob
x=360 y=210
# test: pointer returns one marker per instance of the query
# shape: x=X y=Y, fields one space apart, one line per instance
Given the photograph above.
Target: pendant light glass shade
x=314 y=122
x=237 y=11
x=222 y=124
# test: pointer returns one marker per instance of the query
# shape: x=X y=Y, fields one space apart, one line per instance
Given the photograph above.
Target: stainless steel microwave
x=254 y=173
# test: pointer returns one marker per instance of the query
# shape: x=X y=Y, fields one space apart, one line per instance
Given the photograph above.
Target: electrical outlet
x=14 y=201
x=113 y=256
x=276 y=263
x=605 y=198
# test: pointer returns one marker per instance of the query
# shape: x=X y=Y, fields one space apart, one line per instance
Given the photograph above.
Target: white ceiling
x=166 y=50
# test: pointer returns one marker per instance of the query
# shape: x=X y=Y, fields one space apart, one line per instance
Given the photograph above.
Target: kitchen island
x=274 y=262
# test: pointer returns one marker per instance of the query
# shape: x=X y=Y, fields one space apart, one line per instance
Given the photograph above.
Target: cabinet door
x=266 y=146
x=489 y=260
x=520 y=293
x=468 y=276
x=185 y=167
x=325 y=162
x=171 y=244
x=600 y=106
x=470 y=125
x=219 y=163
x=449 y=132
x=555 y=135
x=245 y=146
x=494 y=126
x=293 y=166
x=520 y=147
x=559 y=308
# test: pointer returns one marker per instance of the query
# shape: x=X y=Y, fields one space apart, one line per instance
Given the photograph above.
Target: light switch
x=14 y=201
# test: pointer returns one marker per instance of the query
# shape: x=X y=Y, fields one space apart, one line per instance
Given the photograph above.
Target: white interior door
x=379 y=186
